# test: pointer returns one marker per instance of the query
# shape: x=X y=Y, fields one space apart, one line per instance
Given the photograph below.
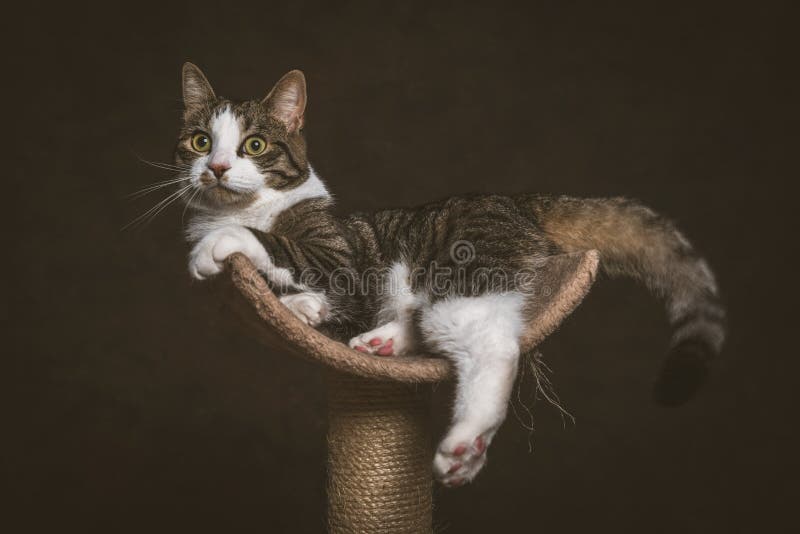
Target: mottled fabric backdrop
x=129 y=408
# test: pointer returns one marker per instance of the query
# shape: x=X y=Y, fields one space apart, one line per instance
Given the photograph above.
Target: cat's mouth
x=218 y=195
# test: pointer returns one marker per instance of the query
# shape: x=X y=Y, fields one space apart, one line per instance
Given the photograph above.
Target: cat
x=397 y=281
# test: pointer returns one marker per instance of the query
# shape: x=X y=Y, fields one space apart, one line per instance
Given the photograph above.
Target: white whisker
x=189 y=202
x=150 y=214
x=163 y=207
x=155 y=186
x=166 y=166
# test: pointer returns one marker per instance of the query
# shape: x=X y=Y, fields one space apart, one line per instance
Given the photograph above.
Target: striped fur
x=636 y=242
x=274 y=208
x=452 y=267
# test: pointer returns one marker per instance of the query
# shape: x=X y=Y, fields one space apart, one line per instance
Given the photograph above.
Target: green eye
x=201 y=142
x=254 y=145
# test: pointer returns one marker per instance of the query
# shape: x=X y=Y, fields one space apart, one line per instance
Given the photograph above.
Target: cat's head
x=235 y=151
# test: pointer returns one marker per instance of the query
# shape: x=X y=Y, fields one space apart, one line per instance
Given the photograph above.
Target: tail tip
x=684 y=373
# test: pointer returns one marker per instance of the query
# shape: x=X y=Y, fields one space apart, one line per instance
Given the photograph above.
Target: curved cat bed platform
x=379 y=446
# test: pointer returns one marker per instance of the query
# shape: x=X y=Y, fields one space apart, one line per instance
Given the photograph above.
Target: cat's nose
x=219 y=169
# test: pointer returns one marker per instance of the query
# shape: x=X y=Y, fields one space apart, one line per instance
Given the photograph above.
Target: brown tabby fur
x=509 y=234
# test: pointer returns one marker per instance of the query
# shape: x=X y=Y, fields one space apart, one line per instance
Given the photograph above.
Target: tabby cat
x=394 y=281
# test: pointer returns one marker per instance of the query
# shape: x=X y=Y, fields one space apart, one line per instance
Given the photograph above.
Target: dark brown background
x=129 y=410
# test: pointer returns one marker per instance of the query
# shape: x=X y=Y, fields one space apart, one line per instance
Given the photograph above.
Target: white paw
x=390 y=339
x=208 y=255
x=461 y=455
x=311 y=308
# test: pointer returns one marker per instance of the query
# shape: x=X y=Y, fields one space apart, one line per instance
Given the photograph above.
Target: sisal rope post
x=379 y=456
x=379 y=446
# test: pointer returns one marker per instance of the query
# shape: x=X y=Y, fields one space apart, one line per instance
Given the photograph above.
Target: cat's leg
x=481 y=336
x=395 y=334
x=208 y=255
x=310 y=307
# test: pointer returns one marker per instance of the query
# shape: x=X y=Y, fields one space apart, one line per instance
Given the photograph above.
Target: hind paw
x=458 y=462
x=390 y=339
x=375 y=345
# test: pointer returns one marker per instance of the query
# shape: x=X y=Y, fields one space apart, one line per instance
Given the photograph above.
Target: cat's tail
x=634 y=241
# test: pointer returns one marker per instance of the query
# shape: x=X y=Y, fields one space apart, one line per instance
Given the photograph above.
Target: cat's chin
x=219 y=197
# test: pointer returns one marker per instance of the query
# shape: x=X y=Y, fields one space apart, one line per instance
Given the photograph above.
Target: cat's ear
x=196 y=89
x=287 y=100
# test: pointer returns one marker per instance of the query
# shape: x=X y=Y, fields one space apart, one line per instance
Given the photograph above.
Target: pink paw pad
x=460 y=450
x=386 y=349
x=480 y=445
x=375 y=341
x=455 y=467
x=361 y=348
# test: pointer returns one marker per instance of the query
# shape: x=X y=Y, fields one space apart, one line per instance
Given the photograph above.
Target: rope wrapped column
x=379 y=456
x=379 y=446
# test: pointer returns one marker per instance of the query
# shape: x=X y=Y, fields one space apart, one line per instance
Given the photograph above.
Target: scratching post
x=379 y=441
x=379 y=459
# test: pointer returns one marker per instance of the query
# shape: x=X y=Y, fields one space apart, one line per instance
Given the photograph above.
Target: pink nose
x=219 y=168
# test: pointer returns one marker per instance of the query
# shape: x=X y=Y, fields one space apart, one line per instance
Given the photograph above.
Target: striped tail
x=634 y=241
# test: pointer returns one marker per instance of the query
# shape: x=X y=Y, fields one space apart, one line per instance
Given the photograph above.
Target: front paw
x=208 y=256
x=311 y=308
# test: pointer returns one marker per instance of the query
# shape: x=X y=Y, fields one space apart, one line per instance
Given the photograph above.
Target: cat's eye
x=254 y=145
x=201 y=142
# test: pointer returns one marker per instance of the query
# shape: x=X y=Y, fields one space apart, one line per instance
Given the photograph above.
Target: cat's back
x=457 y=209
x=433 y=226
